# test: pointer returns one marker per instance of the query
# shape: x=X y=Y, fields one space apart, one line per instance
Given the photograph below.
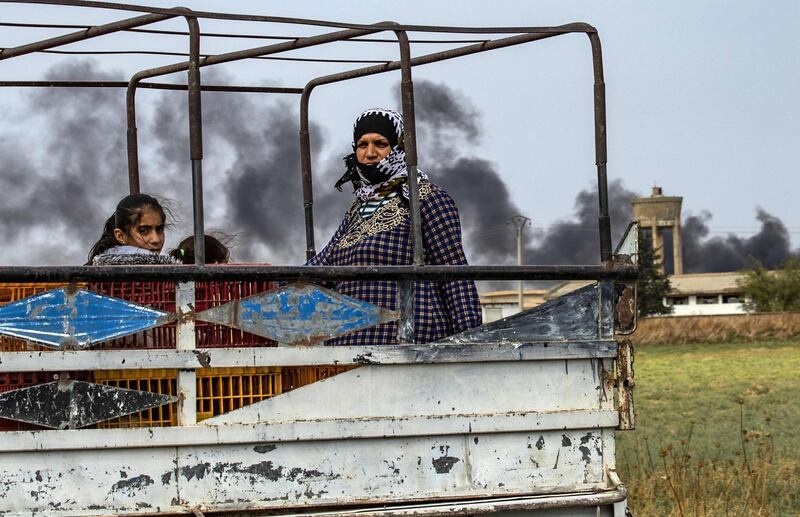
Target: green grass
x=721 y=409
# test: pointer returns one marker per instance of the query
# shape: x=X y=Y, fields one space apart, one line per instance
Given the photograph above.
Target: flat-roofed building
x=497 y=305
x=705 y=293
x=691 y=294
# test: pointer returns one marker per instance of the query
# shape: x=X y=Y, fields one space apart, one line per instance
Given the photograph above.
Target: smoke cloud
x=448 y=125
x=58 y=171
x=252 y=180
x=251 y=171
x=577 y=240
x=447 y=121
x=770 y=246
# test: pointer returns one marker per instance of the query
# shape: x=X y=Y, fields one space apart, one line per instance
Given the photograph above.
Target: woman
x=376 y=231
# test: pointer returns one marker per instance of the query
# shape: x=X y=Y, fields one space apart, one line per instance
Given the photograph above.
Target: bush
x=772 y=291
x=653 y=284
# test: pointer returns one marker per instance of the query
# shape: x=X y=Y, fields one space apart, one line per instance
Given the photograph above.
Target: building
x=656 y=214
x=691 y=294
x=566 y=287
x=705 y=293
x=497 y=305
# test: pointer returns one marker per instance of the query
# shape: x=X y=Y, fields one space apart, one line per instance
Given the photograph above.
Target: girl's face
x=371 y=148
x=148 y=233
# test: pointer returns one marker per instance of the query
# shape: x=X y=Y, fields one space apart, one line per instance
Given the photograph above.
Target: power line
x=184 y=54
x=232 y=35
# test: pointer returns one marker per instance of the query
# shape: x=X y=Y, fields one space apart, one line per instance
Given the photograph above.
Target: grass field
x=717 y=430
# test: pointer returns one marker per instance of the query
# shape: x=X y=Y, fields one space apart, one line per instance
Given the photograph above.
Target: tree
x=772 y=291
x=653 y=284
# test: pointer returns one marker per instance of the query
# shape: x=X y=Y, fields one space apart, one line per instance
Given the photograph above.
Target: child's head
x=216 y=251
x=138 y=221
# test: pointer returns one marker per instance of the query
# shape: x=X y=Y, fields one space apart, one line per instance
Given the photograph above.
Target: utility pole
x=519 y=222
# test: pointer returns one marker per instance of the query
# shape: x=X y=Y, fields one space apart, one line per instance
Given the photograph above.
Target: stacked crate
x=161 y=296
x=219 y=390
x=11 y=292
x=10 y=381
x=299 y=376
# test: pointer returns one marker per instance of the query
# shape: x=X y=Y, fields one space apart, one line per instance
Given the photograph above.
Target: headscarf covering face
x=375 y=181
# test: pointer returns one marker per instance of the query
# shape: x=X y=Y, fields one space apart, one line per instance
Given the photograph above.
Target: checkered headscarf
x=391 y=172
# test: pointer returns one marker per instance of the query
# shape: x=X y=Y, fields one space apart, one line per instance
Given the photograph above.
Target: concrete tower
x=658 y=212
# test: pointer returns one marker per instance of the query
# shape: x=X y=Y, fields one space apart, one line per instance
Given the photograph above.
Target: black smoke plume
x=448 y=126
x=577 y=240
x=770 y=247
x=251 y=172
x=57 y=173
x=64 y=174
x=62 y=186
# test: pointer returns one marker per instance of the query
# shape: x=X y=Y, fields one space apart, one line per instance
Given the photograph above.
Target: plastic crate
x=14 y=380
x=298 y=376
x=213 y=294
x=219 y=390
x=162 y=381
x=11 y=292
x=157 y=295
x=161 y=296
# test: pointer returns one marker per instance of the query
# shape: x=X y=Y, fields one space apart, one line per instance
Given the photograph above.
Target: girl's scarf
x=125 y=255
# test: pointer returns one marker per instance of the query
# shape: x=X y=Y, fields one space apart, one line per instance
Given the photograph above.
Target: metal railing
x=405 y=275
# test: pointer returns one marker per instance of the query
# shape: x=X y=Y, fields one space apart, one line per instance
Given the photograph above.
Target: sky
x=701 y=100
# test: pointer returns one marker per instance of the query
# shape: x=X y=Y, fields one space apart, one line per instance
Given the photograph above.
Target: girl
x=217 y=251
x=133 y=235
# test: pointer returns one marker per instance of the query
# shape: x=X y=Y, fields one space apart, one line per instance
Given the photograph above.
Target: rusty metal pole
x=305 y=145
x=134 y=186
x=305 y=171
x=601 y=152
x=406 y=290
x=89 y=33
x=196 y=140
x=519 y=222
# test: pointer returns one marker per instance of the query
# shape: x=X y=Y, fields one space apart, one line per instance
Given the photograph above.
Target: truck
x=200 y=390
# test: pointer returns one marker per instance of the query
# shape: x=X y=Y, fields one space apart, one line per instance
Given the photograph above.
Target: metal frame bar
x=605 y=497
x=388 y=26
x=92 y=32
x=295 y=431
x=405 y=64
x=188 y=359
x=610 y=271
x=227 y=35
x=305 y=143
x=153 y=86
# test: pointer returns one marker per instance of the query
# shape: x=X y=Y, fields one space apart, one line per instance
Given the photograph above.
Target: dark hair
x=217 y=251
x=127 y=214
